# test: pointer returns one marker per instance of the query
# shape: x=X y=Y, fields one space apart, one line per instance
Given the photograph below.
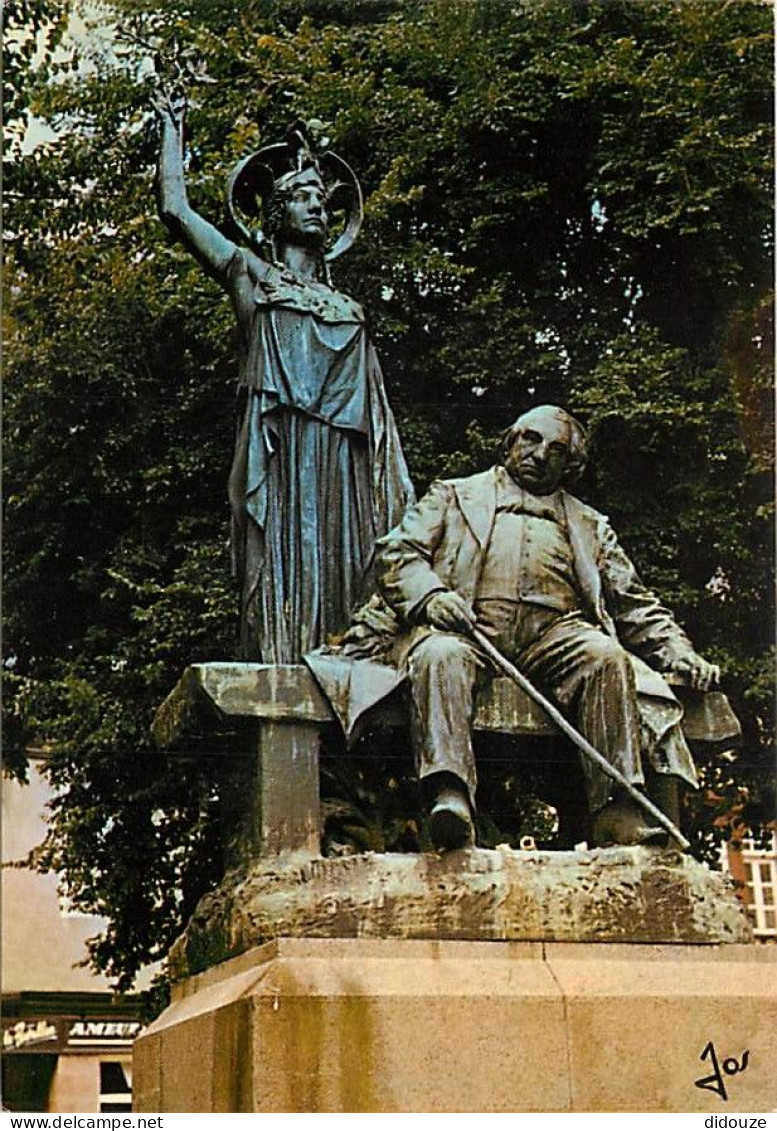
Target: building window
x=115 y=1088
x=760 y=878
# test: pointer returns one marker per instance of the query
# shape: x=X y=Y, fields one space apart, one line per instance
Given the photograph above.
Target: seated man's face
x=539 y=456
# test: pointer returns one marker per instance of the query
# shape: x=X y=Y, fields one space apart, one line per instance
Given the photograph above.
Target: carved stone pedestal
x=398 y=1025
x=477 y=981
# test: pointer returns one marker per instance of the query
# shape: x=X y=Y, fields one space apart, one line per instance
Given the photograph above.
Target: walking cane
x=582 y=743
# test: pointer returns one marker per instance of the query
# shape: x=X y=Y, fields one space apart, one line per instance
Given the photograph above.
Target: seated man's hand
x=449 y=611
x=698 y=672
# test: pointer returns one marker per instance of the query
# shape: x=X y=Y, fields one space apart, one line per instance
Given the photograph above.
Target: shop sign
x=85 y=1034
x=28 y=1034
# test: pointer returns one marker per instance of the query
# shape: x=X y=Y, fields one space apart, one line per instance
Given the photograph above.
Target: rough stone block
x=601 y=895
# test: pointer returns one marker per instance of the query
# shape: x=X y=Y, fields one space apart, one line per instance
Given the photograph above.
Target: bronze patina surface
x=318 y=471
x=511 y=553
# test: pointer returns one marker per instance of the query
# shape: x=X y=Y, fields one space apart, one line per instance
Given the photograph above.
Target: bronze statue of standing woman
x=318 y=472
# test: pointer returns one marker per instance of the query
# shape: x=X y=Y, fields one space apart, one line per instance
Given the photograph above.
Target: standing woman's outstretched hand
x=211 y=247
x=170 y=103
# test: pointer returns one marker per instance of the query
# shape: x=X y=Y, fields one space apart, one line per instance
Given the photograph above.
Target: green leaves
x=564 y=202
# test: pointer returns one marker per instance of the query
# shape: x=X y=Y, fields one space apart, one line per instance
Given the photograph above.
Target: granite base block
x=407 y=1025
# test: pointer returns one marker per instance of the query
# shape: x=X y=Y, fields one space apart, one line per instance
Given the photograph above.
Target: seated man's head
x=544 y=449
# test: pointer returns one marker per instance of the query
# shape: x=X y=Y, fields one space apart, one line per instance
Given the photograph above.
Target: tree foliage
x=566 y=201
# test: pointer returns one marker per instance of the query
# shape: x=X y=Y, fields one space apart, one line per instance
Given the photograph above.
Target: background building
x=67 y=1038
x=755 y=870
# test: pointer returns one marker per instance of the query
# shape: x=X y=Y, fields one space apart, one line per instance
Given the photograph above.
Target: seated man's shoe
x=450 y=821
x=623 y=822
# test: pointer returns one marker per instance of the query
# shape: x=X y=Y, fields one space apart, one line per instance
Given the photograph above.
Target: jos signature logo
x=730 y=1067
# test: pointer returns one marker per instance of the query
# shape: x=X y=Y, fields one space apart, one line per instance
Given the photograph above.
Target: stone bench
x=284 y=710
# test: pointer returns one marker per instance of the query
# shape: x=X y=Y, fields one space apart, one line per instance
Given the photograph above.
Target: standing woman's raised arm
x=212 y=249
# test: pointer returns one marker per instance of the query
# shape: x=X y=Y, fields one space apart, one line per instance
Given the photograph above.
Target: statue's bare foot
x=623 y=822
x=450 y=821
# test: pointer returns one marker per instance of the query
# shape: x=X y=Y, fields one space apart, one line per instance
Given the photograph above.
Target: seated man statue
x=542 y=575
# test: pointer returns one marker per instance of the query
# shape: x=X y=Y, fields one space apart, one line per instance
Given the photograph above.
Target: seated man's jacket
x=442 y=543
x=443 y=540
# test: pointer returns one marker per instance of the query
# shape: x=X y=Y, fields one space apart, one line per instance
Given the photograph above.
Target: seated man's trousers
x=578 y=666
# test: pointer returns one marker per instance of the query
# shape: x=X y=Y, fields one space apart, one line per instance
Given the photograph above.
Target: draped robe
x=318 y=473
